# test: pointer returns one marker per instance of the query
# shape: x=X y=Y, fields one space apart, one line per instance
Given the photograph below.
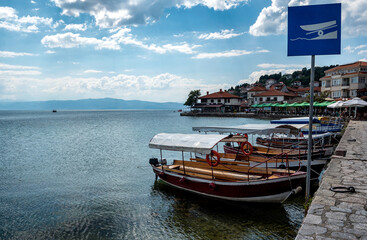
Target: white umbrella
x=337 y=104
x=355 y=102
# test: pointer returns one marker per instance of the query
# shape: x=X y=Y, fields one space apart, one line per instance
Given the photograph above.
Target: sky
x=153 y=50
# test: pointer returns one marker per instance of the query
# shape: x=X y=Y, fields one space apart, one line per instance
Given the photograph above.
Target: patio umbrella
x=305 y=104
x=337 y=104
x=255 y=105
x=355 y=102
x=293 y=104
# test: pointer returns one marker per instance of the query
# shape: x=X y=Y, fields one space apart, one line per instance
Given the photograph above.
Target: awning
x=247 y=128
x=198 y=143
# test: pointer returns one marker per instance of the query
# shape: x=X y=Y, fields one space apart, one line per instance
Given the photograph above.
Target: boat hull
x=270 y=190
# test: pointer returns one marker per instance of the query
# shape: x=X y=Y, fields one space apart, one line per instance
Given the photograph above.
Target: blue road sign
x=314 y=29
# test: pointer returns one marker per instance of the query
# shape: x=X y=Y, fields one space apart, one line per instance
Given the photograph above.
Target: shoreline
x=272 y=116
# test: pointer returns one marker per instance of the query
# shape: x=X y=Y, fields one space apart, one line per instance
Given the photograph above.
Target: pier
x=341 y=214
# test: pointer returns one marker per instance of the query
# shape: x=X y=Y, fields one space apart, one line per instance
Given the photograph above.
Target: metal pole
x=309 y=147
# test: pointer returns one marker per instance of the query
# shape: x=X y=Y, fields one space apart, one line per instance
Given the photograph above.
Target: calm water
x=85 y=175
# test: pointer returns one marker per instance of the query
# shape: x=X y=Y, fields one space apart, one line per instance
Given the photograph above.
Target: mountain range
x=88 y=104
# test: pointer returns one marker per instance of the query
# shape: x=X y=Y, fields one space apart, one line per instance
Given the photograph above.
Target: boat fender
x=182 y=180
x=161 y=174
x=249 y=149
x=214 y=155
x=153 y=161
x=164 y=161
x=212 y=186
x=297 y=190
x=281 y=166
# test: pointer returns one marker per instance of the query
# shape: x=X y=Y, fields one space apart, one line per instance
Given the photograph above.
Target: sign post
x=313 y=30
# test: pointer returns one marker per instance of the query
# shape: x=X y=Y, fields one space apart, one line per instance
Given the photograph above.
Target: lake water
x=85 y=175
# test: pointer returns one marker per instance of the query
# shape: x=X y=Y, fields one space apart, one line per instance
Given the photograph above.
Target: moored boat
x=223 y=179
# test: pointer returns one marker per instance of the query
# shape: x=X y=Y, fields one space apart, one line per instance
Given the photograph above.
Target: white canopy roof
x=337 y=104
x=251 y=128
x=198 y=143
x=355 y=102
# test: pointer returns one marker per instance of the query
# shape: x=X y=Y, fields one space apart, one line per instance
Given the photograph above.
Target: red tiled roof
x=274 y=93
x=293 y=89
x=349 y=65
x=325 y=77
x=307 y=89
x=257 y=89
x=219 y=94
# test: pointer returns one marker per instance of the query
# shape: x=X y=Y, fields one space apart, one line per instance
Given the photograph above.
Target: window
x=353 y=92
x=219 y=100
x=361 y=80
x=336 y=82
x=275 y=99
x=268 y=99
x=354 y=79
x=336 y=94
x=212 y=100
x=323 y=83
x=261 y=99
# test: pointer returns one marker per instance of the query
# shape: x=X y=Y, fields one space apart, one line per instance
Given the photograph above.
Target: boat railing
x=276 y=157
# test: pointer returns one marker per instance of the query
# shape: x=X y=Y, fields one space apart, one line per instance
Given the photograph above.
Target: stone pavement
x=341 y=215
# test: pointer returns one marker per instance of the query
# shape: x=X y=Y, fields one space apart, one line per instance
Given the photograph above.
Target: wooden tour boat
x=219 y=176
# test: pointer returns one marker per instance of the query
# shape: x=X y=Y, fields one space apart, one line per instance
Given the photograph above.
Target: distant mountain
x=88 y=104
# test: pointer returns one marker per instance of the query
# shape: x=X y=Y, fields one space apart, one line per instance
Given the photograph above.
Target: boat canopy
x=247 y=128
x=197 y=143
x=298 y=120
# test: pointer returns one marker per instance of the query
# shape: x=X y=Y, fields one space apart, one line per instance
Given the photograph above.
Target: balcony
x=345 y=84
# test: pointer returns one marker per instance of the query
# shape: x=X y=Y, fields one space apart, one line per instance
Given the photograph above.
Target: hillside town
x=341 y=82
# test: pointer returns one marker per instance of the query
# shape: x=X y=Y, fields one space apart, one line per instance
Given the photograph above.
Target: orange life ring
x=213 y=155
x=249 y=148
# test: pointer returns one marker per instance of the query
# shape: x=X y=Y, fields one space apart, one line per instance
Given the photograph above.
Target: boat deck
x=225 y=171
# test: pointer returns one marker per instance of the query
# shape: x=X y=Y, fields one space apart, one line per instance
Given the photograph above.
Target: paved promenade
x=341 y=215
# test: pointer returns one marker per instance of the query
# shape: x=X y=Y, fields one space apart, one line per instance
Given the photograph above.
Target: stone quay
x=341 y=215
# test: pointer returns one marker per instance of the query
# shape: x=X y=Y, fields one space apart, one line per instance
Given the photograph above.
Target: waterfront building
x=269 y=83
x=254 y=91
x=221 y=101
x=273 y=96
x=346 y=81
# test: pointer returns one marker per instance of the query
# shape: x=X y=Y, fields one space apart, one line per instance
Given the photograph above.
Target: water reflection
x=201 y=217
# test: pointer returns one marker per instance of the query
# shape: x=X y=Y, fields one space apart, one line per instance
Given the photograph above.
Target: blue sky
x=153 y=50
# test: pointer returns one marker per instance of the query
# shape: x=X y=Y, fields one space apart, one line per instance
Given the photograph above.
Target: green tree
x=192 y=98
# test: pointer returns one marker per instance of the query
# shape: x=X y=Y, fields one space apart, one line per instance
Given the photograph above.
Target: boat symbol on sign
x=320 y=31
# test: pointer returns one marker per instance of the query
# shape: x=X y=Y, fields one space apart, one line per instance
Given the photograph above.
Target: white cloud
x=362 y=49
x=6 y=73
x=123 y=36
x=223 y=34
x=110 y=14
x=7 y=54
x=160 y=88
x=9 y=20
x=50 y=52
x=275 y=65
x=75 y=27
x=272 y=20
x=8 y=66
x=92 y=71
x=231 y=53
x=254 y=76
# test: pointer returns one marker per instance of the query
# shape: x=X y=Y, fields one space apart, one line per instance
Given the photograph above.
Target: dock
x=343 y=214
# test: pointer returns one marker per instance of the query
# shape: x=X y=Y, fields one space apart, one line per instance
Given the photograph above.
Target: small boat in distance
x=54 y=110
x=218 y=178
